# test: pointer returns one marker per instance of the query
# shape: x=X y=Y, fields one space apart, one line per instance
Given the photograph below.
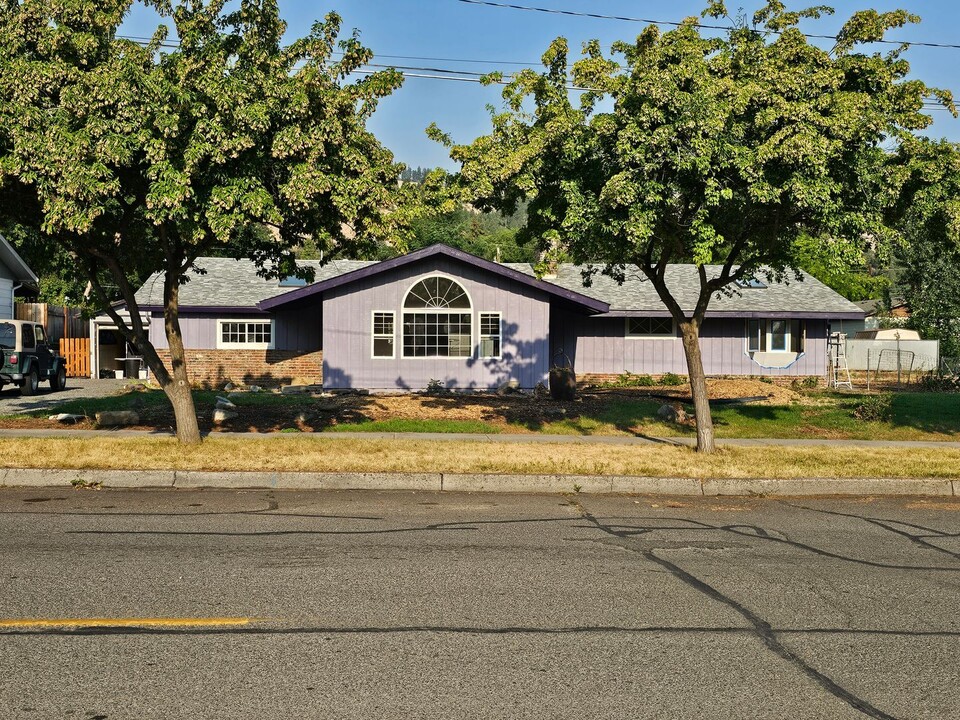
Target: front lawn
x=785 y=414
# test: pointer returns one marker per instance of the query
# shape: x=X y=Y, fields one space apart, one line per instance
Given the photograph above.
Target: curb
x=477 y=482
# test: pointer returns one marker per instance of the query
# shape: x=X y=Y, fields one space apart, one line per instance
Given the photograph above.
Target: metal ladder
x=837 y=354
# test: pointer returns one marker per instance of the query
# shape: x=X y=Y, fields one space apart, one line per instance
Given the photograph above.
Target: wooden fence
x=77 y=352
x=58 y=321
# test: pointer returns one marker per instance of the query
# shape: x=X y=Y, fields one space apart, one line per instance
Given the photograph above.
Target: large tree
x=720 y=150
x=140 y=158
x=927 y=212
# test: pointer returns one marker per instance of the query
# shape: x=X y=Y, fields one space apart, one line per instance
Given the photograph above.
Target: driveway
x=12 y=402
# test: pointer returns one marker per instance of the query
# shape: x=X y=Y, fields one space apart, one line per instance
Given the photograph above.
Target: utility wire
x=598 y=16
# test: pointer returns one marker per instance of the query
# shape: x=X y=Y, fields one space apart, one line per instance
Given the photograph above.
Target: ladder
x=837 y=354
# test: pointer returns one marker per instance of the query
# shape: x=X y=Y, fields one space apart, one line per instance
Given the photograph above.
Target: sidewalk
x=505 y=438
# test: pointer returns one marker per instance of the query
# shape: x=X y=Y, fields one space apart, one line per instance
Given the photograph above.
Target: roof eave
x=317 y=289
x=749 y=314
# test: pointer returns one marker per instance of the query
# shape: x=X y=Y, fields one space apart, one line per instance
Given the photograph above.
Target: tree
x=140 y=158
x=721 y=151
x=927 y=213
x=841 y=264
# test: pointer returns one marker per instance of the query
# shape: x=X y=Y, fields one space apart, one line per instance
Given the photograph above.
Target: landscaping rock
x=221 y=415
x=254 y=389
x=555 y=412
x=294 y=389
x=117 y=418
x=672 y=414
x=228 y=387
x=224 y=404
x=510 y=386
x=68 y=419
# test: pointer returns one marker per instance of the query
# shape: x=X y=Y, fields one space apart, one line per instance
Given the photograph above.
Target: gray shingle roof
x=636 y=294
x=234 y=283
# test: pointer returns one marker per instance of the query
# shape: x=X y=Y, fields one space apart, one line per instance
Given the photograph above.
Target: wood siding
x=6 y=298
x=347 y=311
x=293 y=330
x=599 y=346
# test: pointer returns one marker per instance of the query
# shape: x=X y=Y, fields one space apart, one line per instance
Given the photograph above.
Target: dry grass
x=326 y=454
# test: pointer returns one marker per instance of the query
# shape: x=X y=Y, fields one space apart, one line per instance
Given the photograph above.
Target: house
x=14 y=274
x=440 y=314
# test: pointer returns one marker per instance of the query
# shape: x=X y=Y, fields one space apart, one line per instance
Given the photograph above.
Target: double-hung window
x=490 y=337
x=245 y=334
x=383 y=335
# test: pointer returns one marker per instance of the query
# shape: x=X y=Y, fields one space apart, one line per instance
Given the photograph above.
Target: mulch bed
x=310 y=413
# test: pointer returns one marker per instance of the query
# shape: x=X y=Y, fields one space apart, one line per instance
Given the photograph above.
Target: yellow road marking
x=123 y=622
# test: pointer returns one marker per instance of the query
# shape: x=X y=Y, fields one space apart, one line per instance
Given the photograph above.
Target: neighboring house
x=873 y=310
x=14 y=274
x=443 y=314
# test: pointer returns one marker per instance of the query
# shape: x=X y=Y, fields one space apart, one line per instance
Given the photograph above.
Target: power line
x=598 y=16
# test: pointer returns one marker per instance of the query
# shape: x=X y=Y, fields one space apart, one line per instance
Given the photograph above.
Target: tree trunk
x=690 y=332
x=178 y=387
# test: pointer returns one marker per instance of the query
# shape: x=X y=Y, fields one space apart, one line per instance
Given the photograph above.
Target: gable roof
x=569 y=295
x=11 y=258
x=234 y=285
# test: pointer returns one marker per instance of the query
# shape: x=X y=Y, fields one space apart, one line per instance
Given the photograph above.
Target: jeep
x=26 y=359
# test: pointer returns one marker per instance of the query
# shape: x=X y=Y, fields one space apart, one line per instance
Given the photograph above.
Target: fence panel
x=58 y=321
x=926 y=353
x=77 y=352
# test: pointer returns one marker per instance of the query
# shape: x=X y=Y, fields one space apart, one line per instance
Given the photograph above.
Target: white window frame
x=221 y=345
x=660 y=336
x=374 y=336
x=474 y=324
x=481 y=336
x=765 y=325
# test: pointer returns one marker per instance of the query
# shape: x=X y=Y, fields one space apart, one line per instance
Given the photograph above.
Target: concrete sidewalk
x=480 y=437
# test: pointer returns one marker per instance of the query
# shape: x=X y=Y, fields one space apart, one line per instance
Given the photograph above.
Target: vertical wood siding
x=6 y=298
x=599 y=345
x=299 y=330
x=347 y=350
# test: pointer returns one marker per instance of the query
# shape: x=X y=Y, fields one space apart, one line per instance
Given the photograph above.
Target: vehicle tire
x=58 y=381
x=31 y=383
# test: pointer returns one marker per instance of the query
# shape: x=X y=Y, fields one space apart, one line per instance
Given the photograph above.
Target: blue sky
x=453 y=32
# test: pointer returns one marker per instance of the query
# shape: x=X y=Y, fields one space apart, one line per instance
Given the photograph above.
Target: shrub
x=807 y=383
x=435 y=387
x=671 y=379
x=875 y=408
x=628 y=379
x=932 y=382
x=767 y=380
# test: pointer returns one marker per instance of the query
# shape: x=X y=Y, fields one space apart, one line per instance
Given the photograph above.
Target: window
x=383 y=335
x=433 y=331
x=437 y=292
x=436 y=335
x=29 y=339
x=245 y=334
x=650 y=327
x=776 y=336
x=490 y=335
x=8 y=336
x=41 y=338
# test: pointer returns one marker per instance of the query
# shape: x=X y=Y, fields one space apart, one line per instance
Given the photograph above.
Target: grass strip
x=316 y=454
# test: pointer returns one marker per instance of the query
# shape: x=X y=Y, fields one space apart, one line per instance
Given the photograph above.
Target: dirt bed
x=513 y=413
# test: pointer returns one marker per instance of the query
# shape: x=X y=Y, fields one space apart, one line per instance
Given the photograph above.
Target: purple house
x=445 y=315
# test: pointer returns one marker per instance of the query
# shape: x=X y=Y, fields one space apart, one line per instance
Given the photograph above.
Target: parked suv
x=26 y=359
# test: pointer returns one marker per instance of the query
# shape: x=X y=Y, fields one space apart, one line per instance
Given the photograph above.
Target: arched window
x=430 y=329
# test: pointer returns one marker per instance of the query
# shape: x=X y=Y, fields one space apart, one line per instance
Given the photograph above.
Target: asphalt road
x=414 y=605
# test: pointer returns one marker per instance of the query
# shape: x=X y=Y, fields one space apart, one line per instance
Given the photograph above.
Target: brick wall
x=782 y=380
x=213 y=368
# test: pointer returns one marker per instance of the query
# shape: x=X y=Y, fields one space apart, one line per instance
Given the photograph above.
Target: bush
x=932 y=382
x=671 y=379
x=628 y=379
x=767 y=380
x=875 y=408
x=807 y=383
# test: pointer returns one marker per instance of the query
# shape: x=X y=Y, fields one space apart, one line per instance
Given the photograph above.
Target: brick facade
x=780 y=380
x=270 y=368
